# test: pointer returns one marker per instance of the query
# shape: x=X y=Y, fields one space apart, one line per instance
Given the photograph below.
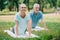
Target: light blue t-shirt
x=22 y=23
x=35 y=18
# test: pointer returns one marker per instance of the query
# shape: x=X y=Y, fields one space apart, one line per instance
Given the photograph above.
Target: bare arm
x=29 y=27
x=43 y=23
x=16 y=23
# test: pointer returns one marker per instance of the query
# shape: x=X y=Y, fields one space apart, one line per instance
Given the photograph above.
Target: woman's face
x=23 y=8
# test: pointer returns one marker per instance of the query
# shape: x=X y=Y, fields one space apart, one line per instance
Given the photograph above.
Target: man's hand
x=44 y=25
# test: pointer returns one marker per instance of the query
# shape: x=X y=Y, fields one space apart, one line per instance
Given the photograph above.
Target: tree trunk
x=41 y=5
x=27 y=3
x=10 y=6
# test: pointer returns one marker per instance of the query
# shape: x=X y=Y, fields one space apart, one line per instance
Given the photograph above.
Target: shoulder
x=16 y=17
x=27 y=15
x=31 y=13
x=40 y=13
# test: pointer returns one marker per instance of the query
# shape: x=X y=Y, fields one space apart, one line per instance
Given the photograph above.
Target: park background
x=51 y=13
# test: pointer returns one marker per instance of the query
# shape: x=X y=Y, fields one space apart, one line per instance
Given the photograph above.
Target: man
x=22 y=21
x=36 y=15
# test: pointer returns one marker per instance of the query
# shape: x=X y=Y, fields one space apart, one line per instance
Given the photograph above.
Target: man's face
x=36 y=9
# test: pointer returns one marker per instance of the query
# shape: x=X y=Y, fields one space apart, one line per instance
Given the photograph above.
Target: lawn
x=52 y=23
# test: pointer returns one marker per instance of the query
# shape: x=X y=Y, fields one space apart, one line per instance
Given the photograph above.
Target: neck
x=23 y=14
x=35 y=13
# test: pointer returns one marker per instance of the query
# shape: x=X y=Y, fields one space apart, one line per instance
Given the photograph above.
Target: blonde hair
x=22 y=5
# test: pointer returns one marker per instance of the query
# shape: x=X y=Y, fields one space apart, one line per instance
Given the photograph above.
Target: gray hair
x=36 y=5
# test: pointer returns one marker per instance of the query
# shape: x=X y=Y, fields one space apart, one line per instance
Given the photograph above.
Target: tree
x=54 y=3
x=58 y=3
x=10 y=5
x=27 y=3
x=40 y=2
x=15 y=2
x=3 y=4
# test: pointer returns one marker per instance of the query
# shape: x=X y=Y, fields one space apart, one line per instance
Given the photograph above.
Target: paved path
x=11 y=17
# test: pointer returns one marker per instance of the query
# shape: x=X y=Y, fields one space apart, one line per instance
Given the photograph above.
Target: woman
x=22 y=21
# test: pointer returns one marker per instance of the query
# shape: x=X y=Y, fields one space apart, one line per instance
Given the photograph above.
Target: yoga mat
x=38 y=28
x=20 y=36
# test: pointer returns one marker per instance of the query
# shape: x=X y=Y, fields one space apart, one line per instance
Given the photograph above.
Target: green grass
x=52 y=23
x=53 y=32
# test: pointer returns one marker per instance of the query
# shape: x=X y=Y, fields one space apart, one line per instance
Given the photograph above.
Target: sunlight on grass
x=52 y=23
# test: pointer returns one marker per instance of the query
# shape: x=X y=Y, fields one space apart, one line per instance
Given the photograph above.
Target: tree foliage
x=43 y=3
